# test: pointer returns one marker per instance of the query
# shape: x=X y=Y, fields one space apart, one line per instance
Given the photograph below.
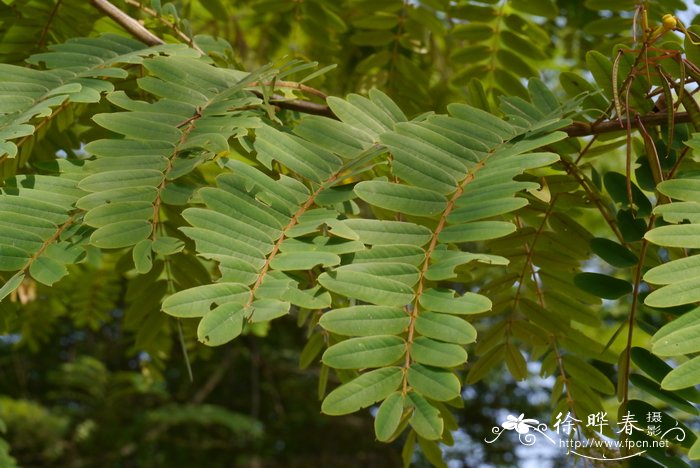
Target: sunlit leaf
x=362 y=391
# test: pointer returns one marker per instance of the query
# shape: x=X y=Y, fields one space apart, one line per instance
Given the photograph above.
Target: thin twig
x=215 y=378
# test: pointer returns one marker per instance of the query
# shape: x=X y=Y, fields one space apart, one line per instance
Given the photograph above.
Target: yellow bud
x=669 y=21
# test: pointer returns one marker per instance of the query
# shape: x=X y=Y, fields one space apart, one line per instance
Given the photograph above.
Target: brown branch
x=578 y=129
x=134 y=28
x=305 y=107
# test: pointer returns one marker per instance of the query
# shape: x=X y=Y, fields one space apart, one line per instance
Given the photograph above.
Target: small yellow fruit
x=669 y=21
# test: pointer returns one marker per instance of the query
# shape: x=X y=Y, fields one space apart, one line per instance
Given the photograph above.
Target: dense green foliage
x=511 y=179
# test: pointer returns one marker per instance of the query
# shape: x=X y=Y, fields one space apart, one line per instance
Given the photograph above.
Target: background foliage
x=516 y=180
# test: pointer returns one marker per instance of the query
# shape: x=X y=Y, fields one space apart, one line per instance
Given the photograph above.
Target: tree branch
x=139 y=31
x=578 y=129
x=134 y=28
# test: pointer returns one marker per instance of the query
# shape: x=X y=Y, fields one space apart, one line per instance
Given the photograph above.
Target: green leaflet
x=142 y=255
x=222 y=324
x=426 y=419
x=472 y=210
x=678 y=212
x=434 y=383
x=445 y=328
x=338 y=137
x=515 y=361
x=601 y=68
x=486 y=363
x=117 y=195
x=681 y=189
x=613 y=253
x=40 y=226
x=480 y=118
x=406 y=274
x=116 y=212
x=165 y=245
x=311 y=163
x=389 y=416
x=408 y=254
x=303 y=260
x=264 y=310
x=322 y=243
x=212 y=243
x=379 y=232
x=443 y=300
x=684 y=235
x=436 y=353
x=678 y=342
x=21 y=239
x=12 y=258
x=684 y=376
x=372 y=116
x=446 y=261
x=588 y=374
x=121 y=234
x=313 y=298
x=654 y=389
x=47 y=270
x=476 y=231
x=11 y=284
x=603 y=286
x=367 y=287
x=402 y=198
x=362 y=391
x=674 y=271
x=238 y=205
x=228 y=226
x=34 y=208
x=50 y=189
x=139 y=126
x=365 y=352
x=681 y=276
x=197 y=301
x=121 y=179
x=677 y=293
x=365 y=320
x=653 y=366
